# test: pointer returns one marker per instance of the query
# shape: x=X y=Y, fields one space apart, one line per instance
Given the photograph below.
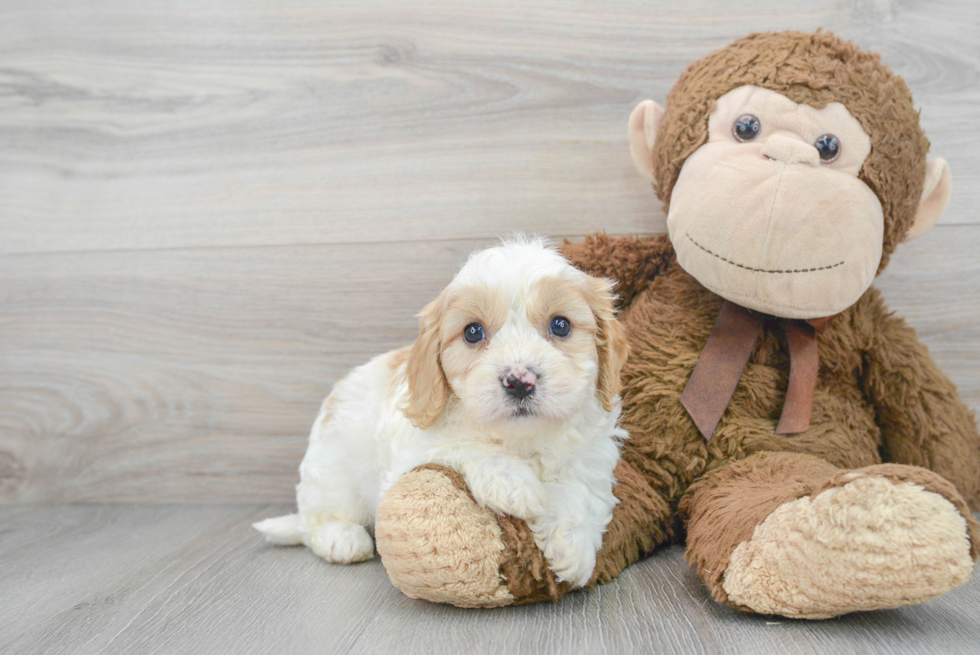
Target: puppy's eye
x=828 y=146
x=746 y=128
x=474 y=333
x=560 y=326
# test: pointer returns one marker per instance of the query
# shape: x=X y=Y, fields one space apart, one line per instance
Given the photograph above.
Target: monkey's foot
x=875 y=538
x=439 y=544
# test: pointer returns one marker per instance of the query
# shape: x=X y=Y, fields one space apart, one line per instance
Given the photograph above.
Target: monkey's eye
x=828 y=146
x=560 y=326
x=474 y=333
x=746 y=128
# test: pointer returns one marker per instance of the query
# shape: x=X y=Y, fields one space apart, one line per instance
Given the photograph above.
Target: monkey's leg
x=438 y=544
x=790 y=534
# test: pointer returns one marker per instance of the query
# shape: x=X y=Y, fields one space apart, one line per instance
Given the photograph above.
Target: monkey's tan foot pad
x=875 y=538
x=438 y=544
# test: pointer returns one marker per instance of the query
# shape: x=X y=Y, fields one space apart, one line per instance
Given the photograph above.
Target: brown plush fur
x=879 y=396
x=523 y=566
x=816 y=69
x=640 y=523
x=878 y=390
x=724 y=507
x=429 y=511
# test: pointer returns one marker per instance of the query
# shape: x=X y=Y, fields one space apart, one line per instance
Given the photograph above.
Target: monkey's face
x=770 y=213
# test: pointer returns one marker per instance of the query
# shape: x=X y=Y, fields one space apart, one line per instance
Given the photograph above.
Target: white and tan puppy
x=513 y=382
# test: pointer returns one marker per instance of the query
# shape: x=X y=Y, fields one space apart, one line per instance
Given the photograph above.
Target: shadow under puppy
x=513 y=382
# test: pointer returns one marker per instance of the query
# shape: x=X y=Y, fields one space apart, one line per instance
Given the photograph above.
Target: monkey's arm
x=630 y=261
x=922 y=419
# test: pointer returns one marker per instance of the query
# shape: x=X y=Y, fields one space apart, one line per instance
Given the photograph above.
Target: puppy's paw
x=569 y=549
x=508 y=486
x=340 y=542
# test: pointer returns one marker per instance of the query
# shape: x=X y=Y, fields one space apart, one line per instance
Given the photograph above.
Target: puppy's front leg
x=500 y=482
x=578 y=508
x=570 y=532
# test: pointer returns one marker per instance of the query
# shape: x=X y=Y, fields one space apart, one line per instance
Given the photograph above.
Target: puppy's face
x=521 y=338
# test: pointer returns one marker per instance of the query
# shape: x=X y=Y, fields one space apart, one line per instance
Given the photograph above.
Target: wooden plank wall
x=210 y=211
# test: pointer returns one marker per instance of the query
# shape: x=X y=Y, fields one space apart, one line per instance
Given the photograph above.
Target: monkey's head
x=790 y=165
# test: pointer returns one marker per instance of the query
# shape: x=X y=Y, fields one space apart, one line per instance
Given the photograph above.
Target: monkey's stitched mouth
x=762 y=270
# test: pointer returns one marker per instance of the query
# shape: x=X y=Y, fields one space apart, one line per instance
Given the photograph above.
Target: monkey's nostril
x=789 y=150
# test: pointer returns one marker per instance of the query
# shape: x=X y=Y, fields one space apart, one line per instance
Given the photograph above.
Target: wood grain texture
x=53 y=560
x=149 y=125
x=154 y=580
x=208 y=215
x=194 y=375
x=190 y=375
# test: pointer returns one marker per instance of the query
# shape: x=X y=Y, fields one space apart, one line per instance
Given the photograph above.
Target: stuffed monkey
x=782 y=421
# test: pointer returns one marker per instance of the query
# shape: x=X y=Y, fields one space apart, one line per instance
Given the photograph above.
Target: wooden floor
x=210 y=211
x=183 y=579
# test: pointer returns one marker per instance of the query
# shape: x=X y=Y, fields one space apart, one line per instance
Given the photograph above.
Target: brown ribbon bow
x=725 y=355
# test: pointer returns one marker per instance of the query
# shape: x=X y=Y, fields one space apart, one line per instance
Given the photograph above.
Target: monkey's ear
x=935 y=195
x=644 y=123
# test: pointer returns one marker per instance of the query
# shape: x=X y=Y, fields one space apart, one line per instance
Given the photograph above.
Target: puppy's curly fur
x=543 y=452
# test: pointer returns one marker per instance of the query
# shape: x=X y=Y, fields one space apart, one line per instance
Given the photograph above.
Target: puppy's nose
x=519 y=383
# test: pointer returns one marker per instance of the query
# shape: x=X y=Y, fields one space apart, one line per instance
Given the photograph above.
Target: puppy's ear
x=611 y=342
x=428 y=388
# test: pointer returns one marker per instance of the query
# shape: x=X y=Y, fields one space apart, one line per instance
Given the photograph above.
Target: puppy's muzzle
x=519 y=383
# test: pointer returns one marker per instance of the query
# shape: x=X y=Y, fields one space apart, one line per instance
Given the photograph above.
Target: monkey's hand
x=923 y=421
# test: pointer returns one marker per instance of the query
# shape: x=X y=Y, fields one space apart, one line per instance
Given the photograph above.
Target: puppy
x=513 y=382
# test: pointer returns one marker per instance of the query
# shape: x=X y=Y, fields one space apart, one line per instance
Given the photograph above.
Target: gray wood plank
x=190 y=375
x=194 y=375
x=220 y=589
x=52 y=559
x=148 y=125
